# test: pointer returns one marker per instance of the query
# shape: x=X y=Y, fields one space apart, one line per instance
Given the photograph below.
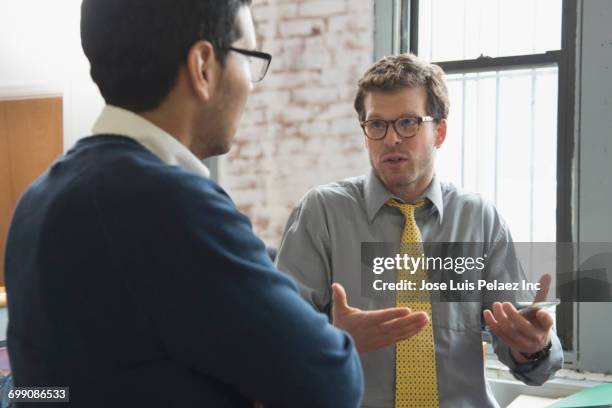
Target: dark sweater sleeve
x=219 y=305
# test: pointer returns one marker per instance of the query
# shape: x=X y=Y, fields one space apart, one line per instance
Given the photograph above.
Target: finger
x=339 y=296
x=542 y=293
x=498 y=312
x=544 y=319
x=514 y=337
x=492 y=323
x=376 y=317
x=502 y=318
x=520 y=323
x=409 y=331
x=498 y=331
x=489 y=318
x=403 y=323
x=399 y=329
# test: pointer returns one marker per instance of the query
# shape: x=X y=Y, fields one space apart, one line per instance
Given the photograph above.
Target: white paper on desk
x=529 y=401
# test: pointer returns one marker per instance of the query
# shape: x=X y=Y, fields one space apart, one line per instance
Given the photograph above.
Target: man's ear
x=365 y=138
x=440 y=133
x=202 y=69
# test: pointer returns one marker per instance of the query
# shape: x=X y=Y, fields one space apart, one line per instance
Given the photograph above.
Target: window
x=502 y=142
x=451 y=30
x=510 y=72
x=502 y=63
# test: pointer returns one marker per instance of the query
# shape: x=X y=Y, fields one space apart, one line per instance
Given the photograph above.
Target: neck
x=173 y=123
x=410 y=192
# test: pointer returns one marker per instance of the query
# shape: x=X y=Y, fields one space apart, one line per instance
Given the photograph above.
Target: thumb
x=545 y=320
x=542 y=293
x=339 y=296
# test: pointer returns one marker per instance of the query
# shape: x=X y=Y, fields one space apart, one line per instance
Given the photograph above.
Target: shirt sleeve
x=220 y=306
x=532 y=373
x=503 y=264
x=304 y=252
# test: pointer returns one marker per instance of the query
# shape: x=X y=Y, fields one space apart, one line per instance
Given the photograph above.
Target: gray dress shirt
x=322 y=245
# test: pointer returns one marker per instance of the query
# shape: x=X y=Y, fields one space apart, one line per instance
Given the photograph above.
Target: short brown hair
x=395 y=72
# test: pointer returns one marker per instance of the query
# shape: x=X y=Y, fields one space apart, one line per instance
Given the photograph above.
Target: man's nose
x=392 y=138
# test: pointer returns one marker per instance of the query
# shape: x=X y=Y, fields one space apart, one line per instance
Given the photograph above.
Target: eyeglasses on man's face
x=405 y=127
x=259 y=62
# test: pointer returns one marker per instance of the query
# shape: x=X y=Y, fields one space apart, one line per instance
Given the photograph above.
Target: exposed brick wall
x=300 y=129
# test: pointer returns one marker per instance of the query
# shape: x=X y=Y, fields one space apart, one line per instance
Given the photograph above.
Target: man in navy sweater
x=132 y=278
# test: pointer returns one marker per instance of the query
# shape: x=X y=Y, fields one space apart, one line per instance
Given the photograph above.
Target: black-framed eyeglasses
x=259 y=62
x=405 y=127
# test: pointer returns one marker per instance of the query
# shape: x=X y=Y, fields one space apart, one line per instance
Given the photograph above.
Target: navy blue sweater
x=137 y=283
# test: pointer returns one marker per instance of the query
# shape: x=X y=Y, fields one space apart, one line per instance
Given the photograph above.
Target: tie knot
x=406 y=208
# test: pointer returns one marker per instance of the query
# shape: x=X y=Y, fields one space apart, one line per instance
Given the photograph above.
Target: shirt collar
x=376 y=195
x=117 y=121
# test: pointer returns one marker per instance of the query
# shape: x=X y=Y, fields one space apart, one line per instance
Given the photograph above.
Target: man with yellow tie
x=414 y=352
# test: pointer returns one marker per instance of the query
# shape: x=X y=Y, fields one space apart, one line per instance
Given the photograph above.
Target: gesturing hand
x=525 y=333
x=372 y=330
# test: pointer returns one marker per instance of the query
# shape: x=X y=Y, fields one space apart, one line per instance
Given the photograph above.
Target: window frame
x=402 y=36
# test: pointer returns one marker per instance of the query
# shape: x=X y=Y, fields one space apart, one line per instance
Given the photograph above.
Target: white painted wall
x=40 y=52
x=595 y=168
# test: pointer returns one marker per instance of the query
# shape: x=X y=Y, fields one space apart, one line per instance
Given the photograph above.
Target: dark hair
x=135 y=47
x=393 y=73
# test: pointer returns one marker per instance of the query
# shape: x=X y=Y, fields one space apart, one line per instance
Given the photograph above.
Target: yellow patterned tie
x=416 y=382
